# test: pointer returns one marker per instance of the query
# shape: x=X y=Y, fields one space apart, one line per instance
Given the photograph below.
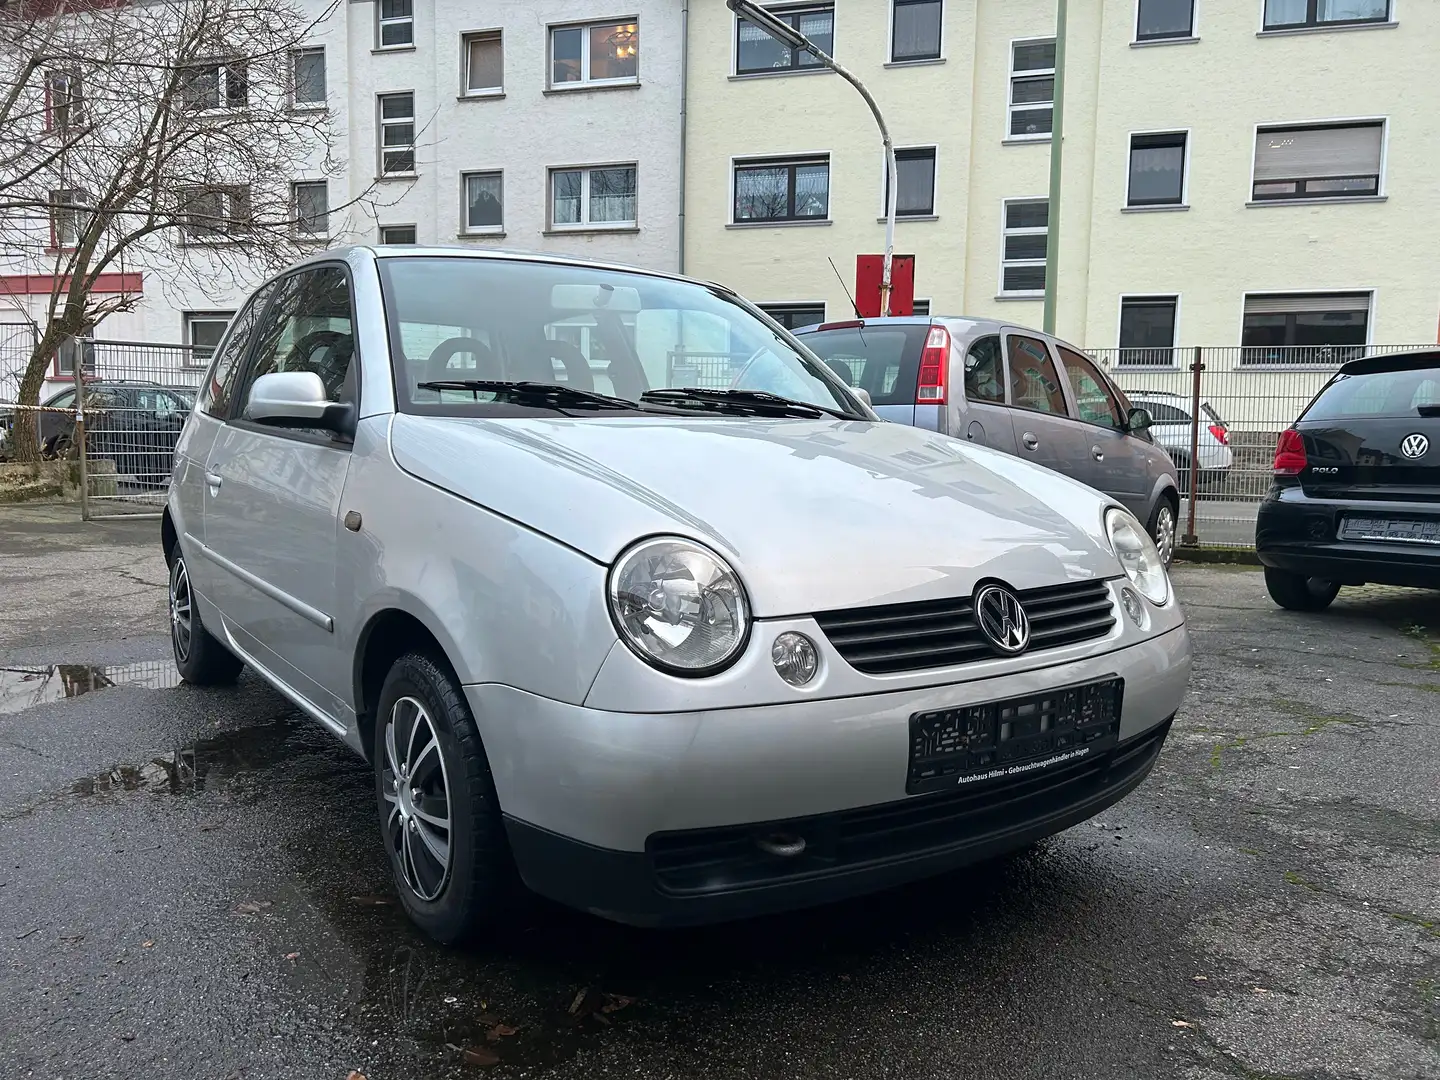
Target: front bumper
x=595 y=799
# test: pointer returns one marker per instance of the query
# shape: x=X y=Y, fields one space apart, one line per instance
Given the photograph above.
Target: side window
x=1095 y=402
x=308 y=328
x=219 y=387
x=61 y=401
x=1165 y=414
x=1034 y=382
x=985 y=371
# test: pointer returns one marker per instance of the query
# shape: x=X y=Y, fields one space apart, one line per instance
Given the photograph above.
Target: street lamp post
x=787 y=35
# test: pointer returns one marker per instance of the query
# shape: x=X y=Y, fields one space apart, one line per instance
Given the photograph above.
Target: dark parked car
x=1356 y=495
x=134 y=424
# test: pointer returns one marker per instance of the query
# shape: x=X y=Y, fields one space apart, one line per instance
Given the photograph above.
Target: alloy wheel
x=1165 y=533
x=182 y=618
x=417 y=791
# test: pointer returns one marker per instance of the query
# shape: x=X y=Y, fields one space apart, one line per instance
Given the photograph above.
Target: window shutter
x=1294 y=304
x=1313 y=153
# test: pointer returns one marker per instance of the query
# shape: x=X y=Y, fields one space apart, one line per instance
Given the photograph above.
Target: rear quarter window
x=882 y=360
x=1376 y=394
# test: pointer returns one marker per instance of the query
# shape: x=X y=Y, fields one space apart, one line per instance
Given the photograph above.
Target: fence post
x=1190 y=539
x=78 y=362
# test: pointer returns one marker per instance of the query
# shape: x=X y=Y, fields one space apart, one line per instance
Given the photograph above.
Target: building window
x=484 y=202
x=203 y=331
x=784 y=190
x=794 y=316
x=397 y=234
x=1157 y=170
x=395 y=21
x=218 y=85
x=915 y=31
x=756 y=51
x=213 y=214
x=596 y=198
x=1327 y=161
x=1295 y=14
x=1032 y=89
x=311 y=206
x=1147 y=331
x=599 y=54
x=1022 y=272
x=64 y=99
x=915 y=194
x=397 y=134
x=1160 y=20
x=307 y=74
x=1308 y=328
x=922 y=307
x=484 y=59
x=69 y=218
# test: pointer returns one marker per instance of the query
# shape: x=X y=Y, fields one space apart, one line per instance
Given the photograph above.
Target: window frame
x=1102 y=379
x=381 y=121
x=76 y=214
x=1028 y=106
x=466 y=229
x=781 y=308
x=1313 y=21
x=1062 y=383
x=73 y=106
x=188 y=321
x=790 y=162
x=933 y=151
x=1382 y=122
x=1161 y=39
x=467 y=37
x=223 y=74
x=1183 y=201
x=782 y=11
x=381 y=22
x=382 y=229
x=300 y=230
x=295 y=102
x=1005 y=231
x=234 y=223
x=259 y=300
x=585 y=225
x=1173 y=348
x=587 y=28
x=1248 y=360
x=939 y=55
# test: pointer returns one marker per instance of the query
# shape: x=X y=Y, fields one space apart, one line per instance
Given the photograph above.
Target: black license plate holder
x=1390 y=530
x=970 y=746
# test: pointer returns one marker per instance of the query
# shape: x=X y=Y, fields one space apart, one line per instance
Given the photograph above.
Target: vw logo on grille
x=1001 y=619
x=1414 y=446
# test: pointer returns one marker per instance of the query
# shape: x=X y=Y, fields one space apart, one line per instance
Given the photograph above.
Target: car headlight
x=679 y=606
x=1137 y=554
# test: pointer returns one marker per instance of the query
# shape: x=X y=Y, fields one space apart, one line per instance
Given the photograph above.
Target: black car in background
x=1356 y=494
x=134 y=424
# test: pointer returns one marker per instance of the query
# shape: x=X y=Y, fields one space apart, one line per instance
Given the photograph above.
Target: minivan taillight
x=1290 y=454
x=1220 y=436
x=930 y=387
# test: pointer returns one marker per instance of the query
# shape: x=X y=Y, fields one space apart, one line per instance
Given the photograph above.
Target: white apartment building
x=1236 y=172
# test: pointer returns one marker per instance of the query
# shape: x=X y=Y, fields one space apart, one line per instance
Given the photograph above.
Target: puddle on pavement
x=25 y=686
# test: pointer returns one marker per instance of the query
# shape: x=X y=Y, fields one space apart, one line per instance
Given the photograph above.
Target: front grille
x=940 y=633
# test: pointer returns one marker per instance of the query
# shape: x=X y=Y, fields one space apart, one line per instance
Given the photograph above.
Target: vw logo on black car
x=1414 y=446
x=1002 y=619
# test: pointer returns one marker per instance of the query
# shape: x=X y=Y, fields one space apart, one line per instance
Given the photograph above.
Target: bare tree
x=157 y=136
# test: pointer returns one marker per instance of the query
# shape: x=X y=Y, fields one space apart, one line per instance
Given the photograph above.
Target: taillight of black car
x=1290 y=453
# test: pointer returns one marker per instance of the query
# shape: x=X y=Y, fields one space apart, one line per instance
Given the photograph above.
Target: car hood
x=815 y=515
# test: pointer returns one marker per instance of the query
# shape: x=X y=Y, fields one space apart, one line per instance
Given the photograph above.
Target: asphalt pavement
x=191 y=886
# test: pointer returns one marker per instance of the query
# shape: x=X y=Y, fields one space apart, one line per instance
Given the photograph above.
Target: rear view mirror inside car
x=594 y=298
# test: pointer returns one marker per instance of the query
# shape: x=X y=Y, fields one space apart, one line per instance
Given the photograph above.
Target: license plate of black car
x=1391 y=530
x=1012 y=739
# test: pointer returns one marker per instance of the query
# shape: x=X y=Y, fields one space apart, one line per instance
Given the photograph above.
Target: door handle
x=213 y=481
x=1030 y=441
x=1097 y=453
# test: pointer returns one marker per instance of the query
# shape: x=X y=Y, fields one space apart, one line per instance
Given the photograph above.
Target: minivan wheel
x=1297 y=592
x=1162 y=530
x=199 y=657
x=439 y=816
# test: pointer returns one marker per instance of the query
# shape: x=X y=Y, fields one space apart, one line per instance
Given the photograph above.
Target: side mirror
x=297 y=399
x=1138 y=420
x=863 y=395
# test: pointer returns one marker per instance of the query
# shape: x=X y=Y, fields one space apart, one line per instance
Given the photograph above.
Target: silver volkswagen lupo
x=628 y=598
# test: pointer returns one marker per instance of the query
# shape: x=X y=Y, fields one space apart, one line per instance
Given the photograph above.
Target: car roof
x=981 y=325
x=1408 y=360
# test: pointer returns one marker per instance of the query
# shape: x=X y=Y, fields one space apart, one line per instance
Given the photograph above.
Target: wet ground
x=191 y=887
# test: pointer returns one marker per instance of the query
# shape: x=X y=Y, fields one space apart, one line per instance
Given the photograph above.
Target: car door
x=1117 y=463
x=272 y=507
x=1044 y=431
x=983 y=414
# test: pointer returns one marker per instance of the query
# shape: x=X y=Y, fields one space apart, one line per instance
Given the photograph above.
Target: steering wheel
x=745 y=368
x=435 y=366
x=577 y=368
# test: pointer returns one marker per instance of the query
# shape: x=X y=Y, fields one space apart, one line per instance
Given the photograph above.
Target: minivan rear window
x=882 y=360
x=1409 y=392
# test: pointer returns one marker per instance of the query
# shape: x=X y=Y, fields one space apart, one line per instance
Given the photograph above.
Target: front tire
x=199 y=657
x=439 y=816
x=1162 y=529
x=1296 y=592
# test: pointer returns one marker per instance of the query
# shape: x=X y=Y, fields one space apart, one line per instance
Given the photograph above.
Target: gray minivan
x=998 y=384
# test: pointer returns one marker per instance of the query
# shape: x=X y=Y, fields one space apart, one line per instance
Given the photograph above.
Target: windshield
x=884 y=360
x=590 y=329
x=1378 y=394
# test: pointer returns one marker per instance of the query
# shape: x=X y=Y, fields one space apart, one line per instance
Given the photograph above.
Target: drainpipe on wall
x=684 y=119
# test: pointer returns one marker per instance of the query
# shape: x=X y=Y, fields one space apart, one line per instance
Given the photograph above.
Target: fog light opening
x=1134 y=607
x=795 y=658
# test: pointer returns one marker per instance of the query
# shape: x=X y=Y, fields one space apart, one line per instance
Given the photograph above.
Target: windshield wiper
x=758 y=401
x=521 y=392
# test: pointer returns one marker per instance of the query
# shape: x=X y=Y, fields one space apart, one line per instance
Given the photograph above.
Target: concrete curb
x=1237 y=556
